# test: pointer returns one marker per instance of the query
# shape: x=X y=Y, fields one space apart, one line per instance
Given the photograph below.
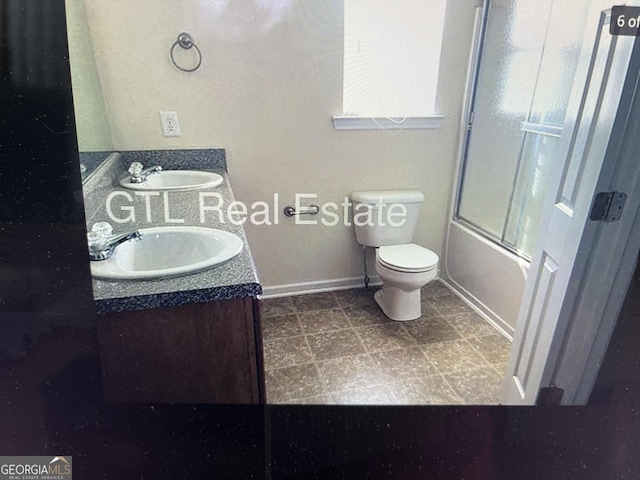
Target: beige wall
x=269 y=83
x=91 y=118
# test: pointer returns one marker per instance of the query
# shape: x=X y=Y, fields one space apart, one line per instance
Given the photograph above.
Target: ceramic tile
x=494 y=348
x=447 y=305
x=479 y=386
x=323 y=320
x=427 y=310
x=459 y=358
x=403 y=363
x=430 y=330
x=376 y=395
x=276 y=306
x=427 y=390
x=286 y=352
x=435 y=290
x=281 y=326
x=354 y=297
x=338 y=343
x=470 y=324
x=314 y=301
x=453 y=355
x=384 y=337
x=348 y=373
x=366 y=315
x=285 y=384
x=500 y=368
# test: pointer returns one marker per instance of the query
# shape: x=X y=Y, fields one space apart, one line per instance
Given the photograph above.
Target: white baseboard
x=318 y=286
x=480 y=308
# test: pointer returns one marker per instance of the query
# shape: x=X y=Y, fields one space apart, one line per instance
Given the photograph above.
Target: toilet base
x=398 y=304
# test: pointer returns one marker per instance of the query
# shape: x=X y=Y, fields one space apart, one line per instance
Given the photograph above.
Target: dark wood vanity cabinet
x=197 y=353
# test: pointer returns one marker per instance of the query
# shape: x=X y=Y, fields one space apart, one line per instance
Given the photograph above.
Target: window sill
x=386 y=123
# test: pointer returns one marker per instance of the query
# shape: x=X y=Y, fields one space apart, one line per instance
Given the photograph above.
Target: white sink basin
x=166 y=251
x=175 y=180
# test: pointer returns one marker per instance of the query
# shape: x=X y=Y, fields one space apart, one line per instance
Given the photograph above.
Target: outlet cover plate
x=170 y=124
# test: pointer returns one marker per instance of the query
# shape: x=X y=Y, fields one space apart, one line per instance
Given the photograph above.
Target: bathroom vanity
x=206 y=352
x=191 y=338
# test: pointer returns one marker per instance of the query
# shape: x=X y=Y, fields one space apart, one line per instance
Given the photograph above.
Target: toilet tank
x=378 y=216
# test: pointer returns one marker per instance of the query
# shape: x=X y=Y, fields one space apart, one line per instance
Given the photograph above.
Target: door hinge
x=608 y=206
x=550 y=395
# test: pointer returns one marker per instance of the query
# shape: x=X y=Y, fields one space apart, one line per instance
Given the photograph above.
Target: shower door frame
x=471 y=98
x=498 y=309
x=470 y=101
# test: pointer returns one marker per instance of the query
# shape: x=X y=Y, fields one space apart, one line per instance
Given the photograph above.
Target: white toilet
x=387 y=220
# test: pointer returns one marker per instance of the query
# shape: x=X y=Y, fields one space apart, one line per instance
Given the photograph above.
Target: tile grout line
x=466 y=339
x=314 y=362
x=358 y=331
x=323 y=381
x=455 y=390
x=441 y=374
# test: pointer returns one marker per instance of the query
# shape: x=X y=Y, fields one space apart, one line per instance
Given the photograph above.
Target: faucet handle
x=135 y=168
x=104 y=229
x=94 y=240
x=99 y=235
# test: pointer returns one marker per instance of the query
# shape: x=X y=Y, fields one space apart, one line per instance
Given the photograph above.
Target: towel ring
x=185 y=41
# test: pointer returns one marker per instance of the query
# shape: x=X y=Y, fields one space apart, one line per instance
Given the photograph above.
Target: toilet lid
x=407 y=258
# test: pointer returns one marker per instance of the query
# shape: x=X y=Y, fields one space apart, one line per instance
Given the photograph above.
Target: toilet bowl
x=387 y=222
x=404 y=270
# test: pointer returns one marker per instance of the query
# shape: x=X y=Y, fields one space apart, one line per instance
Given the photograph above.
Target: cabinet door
x=200 y=353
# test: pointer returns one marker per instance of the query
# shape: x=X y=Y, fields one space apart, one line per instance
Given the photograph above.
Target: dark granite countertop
x=233 y=279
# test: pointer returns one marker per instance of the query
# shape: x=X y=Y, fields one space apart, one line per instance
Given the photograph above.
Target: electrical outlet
x=170 y=125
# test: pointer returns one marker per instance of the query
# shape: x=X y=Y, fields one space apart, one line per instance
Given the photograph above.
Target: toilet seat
x=409 y=258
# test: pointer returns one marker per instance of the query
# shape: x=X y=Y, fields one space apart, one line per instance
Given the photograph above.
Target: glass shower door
x=530 y=55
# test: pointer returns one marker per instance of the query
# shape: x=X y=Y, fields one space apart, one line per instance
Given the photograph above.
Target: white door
x=555 y=271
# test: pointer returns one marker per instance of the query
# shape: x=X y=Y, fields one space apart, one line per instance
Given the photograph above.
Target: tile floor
x=338 y=348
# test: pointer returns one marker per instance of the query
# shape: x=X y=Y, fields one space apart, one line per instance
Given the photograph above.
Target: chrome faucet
x=102 y=243
x=139 y=174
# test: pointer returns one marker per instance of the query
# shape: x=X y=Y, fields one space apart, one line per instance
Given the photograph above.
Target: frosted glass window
x=392 y=57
